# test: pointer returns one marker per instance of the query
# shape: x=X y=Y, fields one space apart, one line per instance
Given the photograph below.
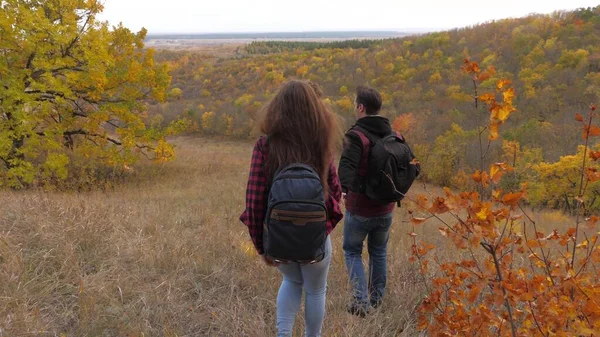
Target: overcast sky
x=212 y=16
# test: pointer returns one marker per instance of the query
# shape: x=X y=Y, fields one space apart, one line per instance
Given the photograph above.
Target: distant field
x=279 y=35
x=226 y=44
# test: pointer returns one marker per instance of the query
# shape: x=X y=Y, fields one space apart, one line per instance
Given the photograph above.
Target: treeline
x=553 y=62
x=270 y=47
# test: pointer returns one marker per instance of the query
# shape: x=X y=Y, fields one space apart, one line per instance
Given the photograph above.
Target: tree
x=175 y=94
x=70 y=84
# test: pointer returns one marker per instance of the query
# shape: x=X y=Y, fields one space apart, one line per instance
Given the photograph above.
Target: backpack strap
x=366 y=144
x=401 y=137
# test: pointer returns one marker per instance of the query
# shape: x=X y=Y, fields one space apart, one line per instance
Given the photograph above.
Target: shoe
x=358 y=310
x=376 y=303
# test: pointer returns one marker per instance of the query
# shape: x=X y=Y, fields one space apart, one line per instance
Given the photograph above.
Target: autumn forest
x=552 y=60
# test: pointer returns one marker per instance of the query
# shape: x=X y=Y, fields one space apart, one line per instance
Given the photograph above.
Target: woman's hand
x=269 y=261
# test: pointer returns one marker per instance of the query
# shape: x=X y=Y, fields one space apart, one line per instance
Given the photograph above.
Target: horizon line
x=393 y=30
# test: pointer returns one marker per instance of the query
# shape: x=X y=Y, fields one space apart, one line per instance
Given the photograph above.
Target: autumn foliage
x=75 y=88
x=511 y=276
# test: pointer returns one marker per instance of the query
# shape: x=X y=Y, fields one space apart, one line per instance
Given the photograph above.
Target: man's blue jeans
x=377 y=232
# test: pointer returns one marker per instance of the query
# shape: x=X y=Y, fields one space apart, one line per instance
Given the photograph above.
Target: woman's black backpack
x=296 y=219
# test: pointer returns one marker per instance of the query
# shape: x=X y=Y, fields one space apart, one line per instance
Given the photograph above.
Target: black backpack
x=296 y=219
x=386 y=170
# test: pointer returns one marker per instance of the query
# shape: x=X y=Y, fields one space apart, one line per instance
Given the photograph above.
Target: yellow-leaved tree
x=72 y=85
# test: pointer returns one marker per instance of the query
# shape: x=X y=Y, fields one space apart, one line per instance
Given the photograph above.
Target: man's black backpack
x=386 y=170
x=296 y=219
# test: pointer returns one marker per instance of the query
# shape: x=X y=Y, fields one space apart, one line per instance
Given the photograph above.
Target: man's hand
x=269 y=261
x=343 y=201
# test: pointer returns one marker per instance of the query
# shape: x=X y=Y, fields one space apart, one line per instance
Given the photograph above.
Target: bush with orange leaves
x=512 y=276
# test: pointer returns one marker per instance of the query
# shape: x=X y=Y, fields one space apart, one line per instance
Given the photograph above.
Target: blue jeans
x=311 y=277
x=377 y=232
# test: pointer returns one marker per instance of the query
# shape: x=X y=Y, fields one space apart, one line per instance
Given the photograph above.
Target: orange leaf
x=473 y=294
x=526 y=296
x=484 y=76
x=439 y=206
x=512 y=199
x=502 y=83
x=595 y=155
x=488 y=98
x=477 y=176
x=591 y=221
x=578 y=117
x=594 y=130
x=440 y=281
x=592 y=174
x=553 y=236
x=421 y=200
x=417 y=221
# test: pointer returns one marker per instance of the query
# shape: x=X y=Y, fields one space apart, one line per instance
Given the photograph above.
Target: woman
x=300 y=129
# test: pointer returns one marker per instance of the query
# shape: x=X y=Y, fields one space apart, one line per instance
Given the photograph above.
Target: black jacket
x=348 y=167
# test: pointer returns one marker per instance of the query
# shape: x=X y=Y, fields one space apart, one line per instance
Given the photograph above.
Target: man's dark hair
x=369 y=98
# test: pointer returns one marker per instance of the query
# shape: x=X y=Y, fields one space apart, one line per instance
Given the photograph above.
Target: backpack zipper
x=310 y=202
x=303 y=176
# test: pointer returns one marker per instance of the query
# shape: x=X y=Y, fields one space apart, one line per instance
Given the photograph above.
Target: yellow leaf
x=493 y=130
x=496 y=194
x=504 y=112
x=509 y=96
x=502 y=83
x=482 y=214
x=496 y=173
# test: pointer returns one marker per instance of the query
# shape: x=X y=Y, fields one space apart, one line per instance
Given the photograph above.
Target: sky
x=218 y=16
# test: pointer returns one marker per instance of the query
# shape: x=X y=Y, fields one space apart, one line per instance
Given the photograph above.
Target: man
x=365 y=218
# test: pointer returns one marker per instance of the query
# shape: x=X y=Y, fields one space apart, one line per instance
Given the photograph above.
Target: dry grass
x=163 y=255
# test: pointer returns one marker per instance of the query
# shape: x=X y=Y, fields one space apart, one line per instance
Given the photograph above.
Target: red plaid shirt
x=257 y=194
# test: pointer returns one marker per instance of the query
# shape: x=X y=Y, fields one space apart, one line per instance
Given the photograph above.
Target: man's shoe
x=376 y=303
x=358 y=310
